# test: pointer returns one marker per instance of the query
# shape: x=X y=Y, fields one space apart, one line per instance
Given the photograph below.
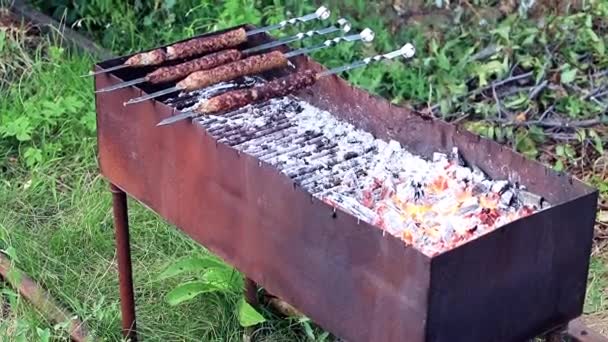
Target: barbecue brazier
x=514 y=283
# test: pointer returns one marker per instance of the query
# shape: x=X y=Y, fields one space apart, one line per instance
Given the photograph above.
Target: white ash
x=351 y=169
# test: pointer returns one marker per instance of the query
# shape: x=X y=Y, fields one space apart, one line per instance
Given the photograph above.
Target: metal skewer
x=322 y=13
x=407 y=51
x=342 y=24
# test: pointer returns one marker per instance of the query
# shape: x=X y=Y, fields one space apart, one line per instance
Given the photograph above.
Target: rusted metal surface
x=509 y=285
x=125 y=274
x=43 y=301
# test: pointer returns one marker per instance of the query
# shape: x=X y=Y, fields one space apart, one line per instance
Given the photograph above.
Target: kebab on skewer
x=277 y=88
x=179 y=71
x=249 y=66
x=208 y=44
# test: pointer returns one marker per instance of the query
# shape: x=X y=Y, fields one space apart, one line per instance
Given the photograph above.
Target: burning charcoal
x=447 y=233
x=463 y=174
x=500 y=186
x=350 y=155
x=455 y=157
x=434 y=205
x=479 y=176
x=418 y=191
x=352 y=206
x=468 y=206
x=506 y=198
x=437 y=157
x=529 y=199
x=478 y=189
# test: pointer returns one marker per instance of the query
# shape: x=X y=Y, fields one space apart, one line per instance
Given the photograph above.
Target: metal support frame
x=251 y=292
x=125 y=273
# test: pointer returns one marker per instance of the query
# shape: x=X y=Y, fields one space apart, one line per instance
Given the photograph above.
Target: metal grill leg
x=251 y=292
x=123 y=251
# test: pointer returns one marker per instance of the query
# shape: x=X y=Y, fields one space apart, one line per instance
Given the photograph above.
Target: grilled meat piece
x=276 y=88
x=153 y=57
x=207 y=44
x=190 y=48
x=176 y=72
x=227 y=72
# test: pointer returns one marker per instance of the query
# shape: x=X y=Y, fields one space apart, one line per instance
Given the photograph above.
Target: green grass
x=55 y=211
x=21 y=322
x=55 y=214
x=56 y=222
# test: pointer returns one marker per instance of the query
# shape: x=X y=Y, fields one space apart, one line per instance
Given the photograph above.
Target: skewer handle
x=321 y=13
x=341 y=25
x=367 y=35
x=407 y=51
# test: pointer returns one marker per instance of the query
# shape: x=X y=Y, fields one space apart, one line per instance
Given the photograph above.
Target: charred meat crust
x=176 y=72
x=244 y=67
x=207 y=44
x=239 y=98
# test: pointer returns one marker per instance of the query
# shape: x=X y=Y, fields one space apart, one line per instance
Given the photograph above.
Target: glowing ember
x=435 y=211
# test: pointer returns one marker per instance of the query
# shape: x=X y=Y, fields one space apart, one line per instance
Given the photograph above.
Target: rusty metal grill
x=231 y=183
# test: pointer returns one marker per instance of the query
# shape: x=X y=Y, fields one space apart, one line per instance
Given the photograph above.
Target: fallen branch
x=42 y=300
x=500 y=83
x=537 y=90
x=491 y=86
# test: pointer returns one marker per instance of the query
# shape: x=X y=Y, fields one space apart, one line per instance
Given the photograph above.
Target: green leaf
x=32 y=156
x=443 y=62
x=248 y=315
x=490 y=134
x=559 y=165
x=517 y=102
x=581 y=135
x=2 y=40
x=568 y=75
x=503 y=31
x=600 y=47
x=55 y=53
x=11 y=252
x=187 y=291
x=323 y=337
x=44 y=334
x=169 y=4
x=597 y=141
x=308 y=330
x=598 y=43
x=526 y=145
x=223 y=278
x=488 y=69
x=593 y=36
x=193 y=264
x=570 y=152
